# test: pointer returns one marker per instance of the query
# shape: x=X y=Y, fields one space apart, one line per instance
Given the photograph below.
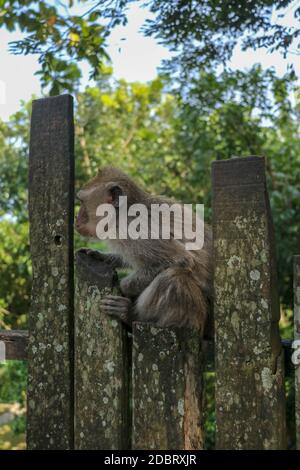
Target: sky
x=135 y=59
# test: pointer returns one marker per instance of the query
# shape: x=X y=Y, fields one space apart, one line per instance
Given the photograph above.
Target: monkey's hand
x=118 y=307
x=113 y=260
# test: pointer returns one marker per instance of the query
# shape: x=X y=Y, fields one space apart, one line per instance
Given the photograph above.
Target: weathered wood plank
x=19 y=338
x=14 y=345
x=51 y=200
x=250 y=401
x=101 y=362
x=167 y=388
x=297 y=338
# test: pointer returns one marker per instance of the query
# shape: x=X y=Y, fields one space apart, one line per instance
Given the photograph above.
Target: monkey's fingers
x=117 y=306
x=117 y=298
x=115 y=312
x=115 y=303
x=106 y=307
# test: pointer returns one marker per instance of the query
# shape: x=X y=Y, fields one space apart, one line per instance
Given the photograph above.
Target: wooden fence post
x=51 y=200
x=167 y=368
x=250 y=400
x=297 y=338
x=101 y=362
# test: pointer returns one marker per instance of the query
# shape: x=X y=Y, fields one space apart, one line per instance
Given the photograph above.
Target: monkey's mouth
x=81 y=220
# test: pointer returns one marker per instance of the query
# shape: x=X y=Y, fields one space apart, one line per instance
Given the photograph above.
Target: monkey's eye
x=115 y=191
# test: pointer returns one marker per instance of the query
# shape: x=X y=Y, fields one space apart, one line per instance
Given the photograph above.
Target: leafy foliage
x=15 y=271
x=13 y=382
x=139 y=130
x=13 y=376
x=61 y=37
x=202 y=33
x=205 y=33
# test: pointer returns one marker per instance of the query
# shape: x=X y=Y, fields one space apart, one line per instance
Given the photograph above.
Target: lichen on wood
x=50 y=347
x=167 y=388
x=101 y=362
x=250 y=400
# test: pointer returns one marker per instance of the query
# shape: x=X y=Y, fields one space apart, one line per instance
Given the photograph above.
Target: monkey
x=169 y=285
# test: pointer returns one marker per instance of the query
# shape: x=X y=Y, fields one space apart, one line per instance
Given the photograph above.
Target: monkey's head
x=105 y=188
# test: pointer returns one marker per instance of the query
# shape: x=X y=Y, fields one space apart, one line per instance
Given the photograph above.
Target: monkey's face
x=93 y=194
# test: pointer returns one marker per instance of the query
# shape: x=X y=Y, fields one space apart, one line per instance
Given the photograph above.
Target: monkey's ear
x=114 y=191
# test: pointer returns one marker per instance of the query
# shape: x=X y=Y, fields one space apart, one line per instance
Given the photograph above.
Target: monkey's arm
x=123 y=308
x=137 y=281
x=112 y=259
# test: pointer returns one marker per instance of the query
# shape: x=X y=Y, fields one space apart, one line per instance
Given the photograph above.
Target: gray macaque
x=168 y=285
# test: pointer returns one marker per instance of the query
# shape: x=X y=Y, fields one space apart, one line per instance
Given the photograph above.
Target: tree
x=61 y=37
x=15 y=269
x=205 y=33
x=130 y=125
x=202 y=33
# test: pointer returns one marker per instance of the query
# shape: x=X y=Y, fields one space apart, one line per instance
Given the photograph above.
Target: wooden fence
x=93 y=385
